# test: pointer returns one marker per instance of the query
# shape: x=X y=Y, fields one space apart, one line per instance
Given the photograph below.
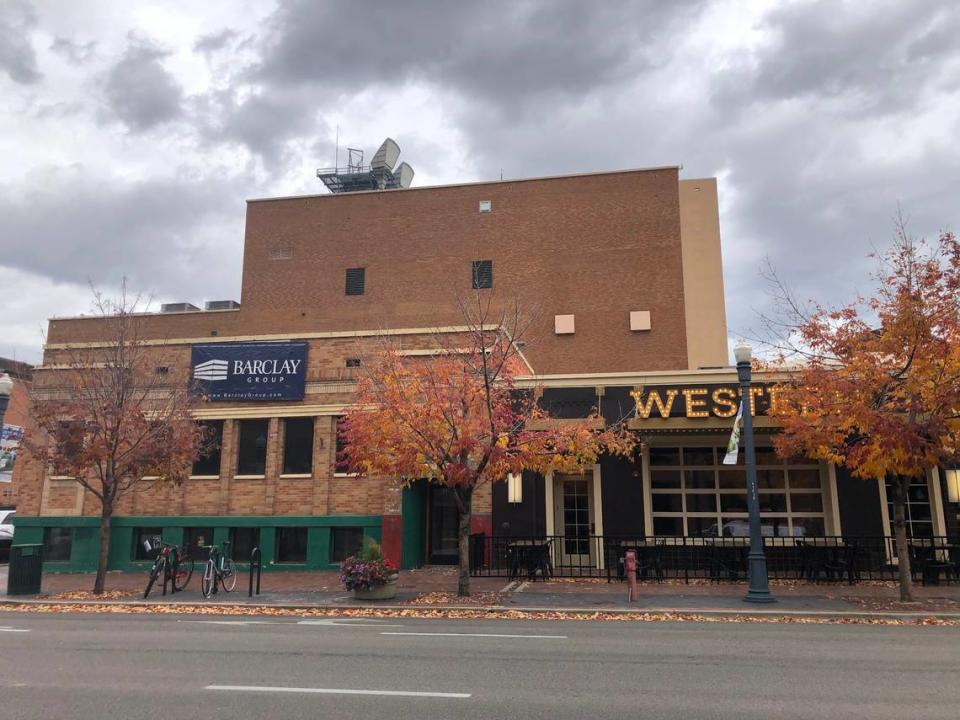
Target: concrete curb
x=534 y=610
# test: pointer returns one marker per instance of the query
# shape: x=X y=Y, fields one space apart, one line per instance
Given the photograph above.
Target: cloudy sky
x=132 y=132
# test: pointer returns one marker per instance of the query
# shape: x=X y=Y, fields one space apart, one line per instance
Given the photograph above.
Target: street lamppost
x=6 y=387
x=759 y=590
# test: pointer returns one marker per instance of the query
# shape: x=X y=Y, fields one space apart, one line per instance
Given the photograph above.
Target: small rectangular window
x=344 y=542
x=298 y=446
x=252 y=447
x=197 y=541
x=292 y=545
x=242 y=542
x=356 y=281
x=146 y=543
x=162 y=371
x=57 y=544
x=209 y=461
x=482 y=274
x=353 y=362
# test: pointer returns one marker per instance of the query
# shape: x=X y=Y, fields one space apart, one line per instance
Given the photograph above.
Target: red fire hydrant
x=630 y=565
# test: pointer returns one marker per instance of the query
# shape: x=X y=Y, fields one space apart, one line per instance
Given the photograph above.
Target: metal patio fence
x=829 y=558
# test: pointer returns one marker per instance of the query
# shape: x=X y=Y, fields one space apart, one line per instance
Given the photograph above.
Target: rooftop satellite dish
x=386 y=155
x=404 y=175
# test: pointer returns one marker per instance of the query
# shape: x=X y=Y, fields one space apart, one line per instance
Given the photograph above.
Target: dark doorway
x=442 y=526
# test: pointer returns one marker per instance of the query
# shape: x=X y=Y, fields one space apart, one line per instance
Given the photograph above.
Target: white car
x=6 y=524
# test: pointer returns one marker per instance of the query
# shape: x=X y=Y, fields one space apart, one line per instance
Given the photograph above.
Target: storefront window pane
x=344 y=542
x=733 y=479
x=805 y=479
x=242 y=542
x=665 y=479
x=664 y=456
x=700 y=502
x=702 y=526
x=698 y=456
x=58 y=544
x=669 y=502
x=669 y=526
x=700 y=479
x=766 y=455
x=292 y=545
x=806 y=502
x=733 y=502
x=807 y=527
x=773 y=479
x=146 y=543
x=197 y=541
x=774 y=502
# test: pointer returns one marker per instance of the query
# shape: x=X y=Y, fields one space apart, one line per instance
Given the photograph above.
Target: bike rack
x=255 y=564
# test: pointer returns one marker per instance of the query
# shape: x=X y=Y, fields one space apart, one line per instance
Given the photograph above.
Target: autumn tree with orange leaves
x=878 y=388
x=108 y=420
x=457 y=417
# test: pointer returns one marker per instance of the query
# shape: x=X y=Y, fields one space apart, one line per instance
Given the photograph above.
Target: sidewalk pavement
x=436 y=587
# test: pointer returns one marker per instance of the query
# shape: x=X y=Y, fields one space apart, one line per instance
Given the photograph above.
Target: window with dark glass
x=341 y=463
x=252 y=447
x=298 y=446
x=70 y=439
x=291 y=545
x=353 y=362
x=356 y=281
x=482 y=274
x=208 y=462
x=344 y=542
x=242 y=542
x=57 y=544
x=146 y=542
x=197 y=541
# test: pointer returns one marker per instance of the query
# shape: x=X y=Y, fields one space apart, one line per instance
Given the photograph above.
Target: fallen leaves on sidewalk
x=463 y=614
x=87 y=595
x=444 y=598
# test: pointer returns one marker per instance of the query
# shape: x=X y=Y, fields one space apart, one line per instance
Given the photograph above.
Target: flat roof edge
x=470 y=184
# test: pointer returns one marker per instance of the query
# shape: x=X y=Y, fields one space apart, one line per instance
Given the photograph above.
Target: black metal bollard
x=255 y=564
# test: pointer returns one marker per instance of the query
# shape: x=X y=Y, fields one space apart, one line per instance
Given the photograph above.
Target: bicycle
x=174 y=563
x=220 y=569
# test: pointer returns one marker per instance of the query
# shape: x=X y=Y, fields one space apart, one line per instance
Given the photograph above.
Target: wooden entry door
x=574 y=520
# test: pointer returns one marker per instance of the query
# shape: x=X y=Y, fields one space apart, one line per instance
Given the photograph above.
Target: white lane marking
x=7 y=628
x=236 y=622
x=348 y=623
x=489 y=635
x=335 y=691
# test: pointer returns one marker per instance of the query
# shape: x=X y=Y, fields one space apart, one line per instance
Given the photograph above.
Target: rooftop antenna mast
x=383 y=172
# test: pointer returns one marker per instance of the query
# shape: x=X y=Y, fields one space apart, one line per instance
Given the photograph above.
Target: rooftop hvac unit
x=221 y=305
x=178 y=307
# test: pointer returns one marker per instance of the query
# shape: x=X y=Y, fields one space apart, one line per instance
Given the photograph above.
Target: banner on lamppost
x=733 y=446
x=10 y=438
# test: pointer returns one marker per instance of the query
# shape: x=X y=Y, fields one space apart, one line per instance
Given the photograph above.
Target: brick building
x=626 y=268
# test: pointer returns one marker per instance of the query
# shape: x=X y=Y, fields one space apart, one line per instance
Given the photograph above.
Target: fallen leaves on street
x=463 y=614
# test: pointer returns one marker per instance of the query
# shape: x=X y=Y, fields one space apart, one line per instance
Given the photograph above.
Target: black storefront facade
x=677 y=493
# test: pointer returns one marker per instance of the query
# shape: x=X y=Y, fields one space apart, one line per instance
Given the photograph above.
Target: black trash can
x=26 y=570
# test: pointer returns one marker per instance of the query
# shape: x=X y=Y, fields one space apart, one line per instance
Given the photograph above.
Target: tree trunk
x=105 y=513
x=464 y=509
x=900 y=531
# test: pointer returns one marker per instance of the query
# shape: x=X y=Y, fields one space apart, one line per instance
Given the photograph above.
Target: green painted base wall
x=86 y=537
x=414 y=511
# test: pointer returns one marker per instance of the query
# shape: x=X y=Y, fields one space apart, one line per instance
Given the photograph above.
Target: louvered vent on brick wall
x=356 y=281
x=482 y=274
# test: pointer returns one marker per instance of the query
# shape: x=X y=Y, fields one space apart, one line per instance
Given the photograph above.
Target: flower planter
x=386 y=591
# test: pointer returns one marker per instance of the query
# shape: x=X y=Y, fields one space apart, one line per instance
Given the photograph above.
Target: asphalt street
x=55 y=666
